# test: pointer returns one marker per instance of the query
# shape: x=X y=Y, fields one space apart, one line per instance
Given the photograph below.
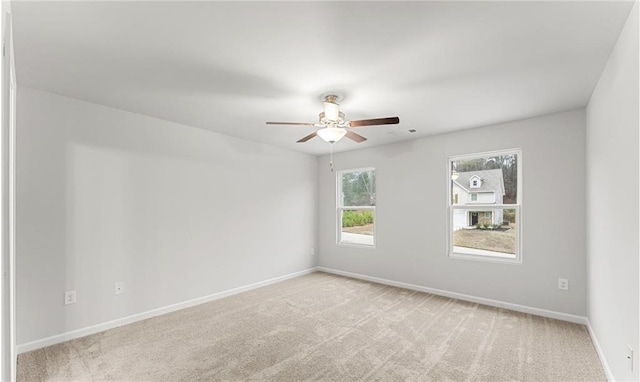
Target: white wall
x=7 y=198
x=174 y=212
x=612 y=205
x=411 y=214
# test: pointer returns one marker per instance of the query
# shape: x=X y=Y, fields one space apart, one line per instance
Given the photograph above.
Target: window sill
x=355 y=245
x=497 y=258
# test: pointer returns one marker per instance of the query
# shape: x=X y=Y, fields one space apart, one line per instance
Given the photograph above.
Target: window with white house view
x=356 y=206
x=484 y=206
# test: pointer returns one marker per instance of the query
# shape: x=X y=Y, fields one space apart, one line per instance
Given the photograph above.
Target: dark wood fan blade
x=302 y=140
x=376 y=121
x=355 y=137
x=291 y=123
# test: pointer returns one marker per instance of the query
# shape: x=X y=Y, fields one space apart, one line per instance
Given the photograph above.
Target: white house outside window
x=485 y=214
x=356 y=201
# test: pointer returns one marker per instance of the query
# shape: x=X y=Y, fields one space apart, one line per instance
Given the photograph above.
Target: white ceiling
x=231 y=66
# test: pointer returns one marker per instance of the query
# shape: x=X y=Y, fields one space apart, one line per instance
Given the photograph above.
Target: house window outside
x=486 y=224
x=476 y=182
x=356 y=207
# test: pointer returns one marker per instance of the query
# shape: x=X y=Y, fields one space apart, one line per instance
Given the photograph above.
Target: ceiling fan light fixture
x=331 y=134
x=332 y=123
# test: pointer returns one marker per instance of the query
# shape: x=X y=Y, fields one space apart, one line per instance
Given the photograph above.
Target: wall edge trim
x=600 y=352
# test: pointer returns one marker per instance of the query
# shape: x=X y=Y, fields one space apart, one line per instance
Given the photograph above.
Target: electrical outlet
x=313 y=251
x=70 y=297
x=563 y=284
x=630 y=357
x=119 y=288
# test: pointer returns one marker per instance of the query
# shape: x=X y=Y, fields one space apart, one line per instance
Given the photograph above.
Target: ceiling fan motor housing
x=324 y=120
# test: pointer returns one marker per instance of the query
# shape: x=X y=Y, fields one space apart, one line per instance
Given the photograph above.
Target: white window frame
x=340 y=208
x=517 y=207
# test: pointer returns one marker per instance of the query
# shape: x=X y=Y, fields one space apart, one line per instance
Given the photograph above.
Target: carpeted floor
x=331 y=328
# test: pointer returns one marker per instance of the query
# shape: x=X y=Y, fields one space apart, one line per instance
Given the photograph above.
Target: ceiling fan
x=333 y=125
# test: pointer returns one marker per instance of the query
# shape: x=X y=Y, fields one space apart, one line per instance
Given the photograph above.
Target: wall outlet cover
x=563 y=284
x=70 y=297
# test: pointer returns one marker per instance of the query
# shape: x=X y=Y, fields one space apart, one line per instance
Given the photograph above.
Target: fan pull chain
x=331 y=157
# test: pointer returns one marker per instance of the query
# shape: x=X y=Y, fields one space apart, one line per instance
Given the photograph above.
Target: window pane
x=359 y=188
x=485 y=232
x=494 y=179
x=357 y=226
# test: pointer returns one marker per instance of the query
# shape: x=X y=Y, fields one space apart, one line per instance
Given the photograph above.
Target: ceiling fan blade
x=355 y=137
x=376 y=121
x=302 y=140
x=291 y=123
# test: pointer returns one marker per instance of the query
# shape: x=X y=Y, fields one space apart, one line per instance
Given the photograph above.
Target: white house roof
x=492 y=180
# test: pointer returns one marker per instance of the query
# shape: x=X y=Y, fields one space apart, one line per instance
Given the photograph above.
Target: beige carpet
x=331 y=328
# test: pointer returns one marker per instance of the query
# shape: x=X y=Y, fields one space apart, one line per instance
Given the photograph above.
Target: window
x=455 y=198
x=486 y=225
x=476 y=181
x=356 y=207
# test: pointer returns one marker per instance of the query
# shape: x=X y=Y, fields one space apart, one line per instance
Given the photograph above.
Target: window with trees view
x=485 y=224
x=356 y=206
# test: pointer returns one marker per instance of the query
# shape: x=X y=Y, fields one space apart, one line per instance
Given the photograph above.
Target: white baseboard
x=603 y=360
x=464 y=297
x=48 y=341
